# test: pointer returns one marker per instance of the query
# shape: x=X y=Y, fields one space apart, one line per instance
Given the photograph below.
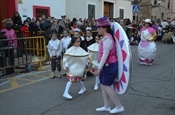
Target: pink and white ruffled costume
x=147 y=49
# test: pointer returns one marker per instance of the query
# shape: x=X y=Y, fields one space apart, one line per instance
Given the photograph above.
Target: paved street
x=151 y=91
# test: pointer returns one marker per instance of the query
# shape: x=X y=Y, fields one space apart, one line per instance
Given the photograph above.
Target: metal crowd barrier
x=19 y=52
x=20 y=34
x=41 y=33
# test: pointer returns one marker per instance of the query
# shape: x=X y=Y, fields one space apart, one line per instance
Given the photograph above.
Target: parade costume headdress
x=104 y=21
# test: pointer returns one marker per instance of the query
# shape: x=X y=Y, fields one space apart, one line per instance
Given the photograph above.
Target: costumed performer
x=93 y=55
x=108 y=66
x=75 y=60
x=147 y=47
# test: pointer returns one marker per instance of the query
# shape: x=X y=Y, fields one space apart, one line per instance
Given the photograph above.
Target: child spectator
x=55 y=48
x=159 y=33
x=66 y=40
x=89 y=39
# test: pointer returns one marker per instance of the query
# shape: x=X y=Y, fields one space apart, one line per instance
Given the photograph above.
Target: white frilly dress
x=147 y=49
x=76 y=59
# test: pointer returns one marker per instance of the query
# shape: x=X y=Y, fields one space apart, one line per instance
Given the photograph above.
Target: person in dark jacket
x=17 y=22
x=33 y=28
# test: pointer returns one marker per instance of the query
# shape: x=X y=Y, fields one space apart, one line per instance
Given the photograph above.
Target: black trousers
x=56 y=63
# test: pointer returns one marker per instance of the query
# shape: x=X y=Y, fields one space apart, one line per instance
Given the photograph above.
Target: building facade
x=32 y=8
x=37 y=8
x=173 y=16
x=156 y=9
x=164 y=11
x=7 y=9
x=98 y=8
x=71 y=8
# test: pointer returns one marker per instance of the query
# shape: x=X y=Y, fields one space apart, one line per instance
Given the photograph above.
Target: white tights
x=108 y=92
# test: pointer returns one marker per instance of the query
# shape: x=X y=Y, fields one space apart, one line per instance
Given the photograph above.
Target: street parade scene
x=87 y=57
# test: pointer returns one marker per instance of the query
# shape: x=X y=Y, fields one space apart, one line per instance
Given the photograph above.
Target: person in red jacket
x=25 y=28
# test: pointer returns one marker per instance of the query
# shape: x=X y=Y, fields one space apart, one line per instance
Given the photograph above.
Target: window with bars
x=155 y=2
x=162 y=16
x=121 y=13
x=91 y=11
x=168 y=7
x=38 y=11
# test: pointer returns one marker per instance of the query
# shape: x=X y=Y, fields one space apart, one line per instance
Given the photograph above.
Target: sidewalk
x=22 y=79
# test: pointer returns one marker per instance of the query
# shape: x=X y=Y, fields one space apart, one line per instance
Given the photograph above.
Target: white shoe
x=59 y=76
x=142 y=63
x=96 y=87
x=82 y=91
x=67 y=96
x=103 y=109
x=117 y=110
x=53 y=75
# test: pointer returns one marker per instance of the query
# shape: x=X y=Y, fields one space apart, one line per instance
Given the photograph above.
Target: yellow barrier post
x=38 y=47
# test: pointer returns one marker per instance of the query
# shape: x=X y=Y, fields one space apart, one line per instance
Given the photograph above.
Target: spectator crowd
x=33 y=26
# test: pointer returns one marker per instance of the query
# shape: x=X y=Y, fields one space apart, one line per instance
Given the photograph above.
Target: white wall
x=57 y=7
x=126 y=5
x=79 y=8
x=74 y=8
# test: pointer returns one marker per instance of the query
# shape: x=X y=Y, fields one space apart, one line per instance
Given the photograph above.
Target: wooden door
x=106 y=9
x=3 y=12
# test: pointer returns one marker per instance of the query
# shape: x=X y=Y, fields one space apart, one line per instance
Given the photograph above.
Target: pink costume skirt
x=147 y=52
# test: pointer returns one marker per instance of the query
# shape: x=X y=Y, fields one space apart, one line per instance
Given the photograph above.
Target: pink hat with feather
x=104 y=21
